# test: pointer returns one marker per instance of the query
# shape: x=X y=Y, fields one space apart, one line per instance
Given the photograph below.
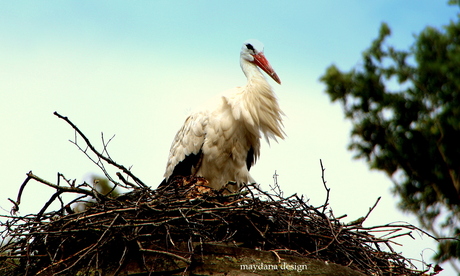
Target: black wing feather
x=250 y=158
x=186 y=167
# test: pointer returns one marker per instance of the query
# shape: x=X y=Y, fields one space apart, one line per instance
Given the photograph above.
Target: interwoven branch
x=171 y=222
x=100 y=156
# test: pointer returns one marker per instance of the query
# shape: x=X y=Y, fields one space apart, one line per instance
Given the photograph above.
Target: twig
x=91 y=247
x=372 y=208
x=47 y=204
x=18 y=200
x=164 y=253
x=99 y=155
x=326 y=203
x=162 y=223
x=60 y=190
x=276 y=187
x=122 y=178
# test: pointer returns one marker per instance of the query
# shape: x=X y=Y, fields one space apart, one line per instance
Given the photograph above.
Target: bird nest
x=173 y=220
x=188 y=213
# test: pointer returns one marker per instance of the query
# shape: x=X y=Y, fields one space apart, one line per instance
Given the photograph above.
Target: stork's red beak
x=262 y=62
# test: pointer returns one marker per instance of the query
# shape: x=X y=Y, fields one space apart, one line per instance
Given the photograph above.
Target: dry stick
x=97 y=162
x=262 y=234
x=406 y=226
x=99 y=155
x=60 y=189
x=47 y=204
x=91 y=247
x=123 y=179
x=324 y=183
x=372 y=208
x=351 y=248
x=359 y=222
x=106 y=144
x=63 y=260
x=121 y=261
x=18 y=200
x=163 y=252
x=276 y=188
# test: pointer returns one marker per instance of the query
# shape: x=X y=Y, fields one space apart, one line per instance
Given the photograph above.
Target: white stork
x=221 y=141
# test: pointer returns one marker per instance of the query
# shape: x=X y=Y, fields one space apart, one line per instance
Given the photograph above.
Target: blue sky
x=136 y=69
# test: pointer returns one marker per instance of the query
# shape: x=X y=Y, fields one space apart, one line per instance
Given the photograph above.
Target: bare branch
x=99 y=155
x=326 y=203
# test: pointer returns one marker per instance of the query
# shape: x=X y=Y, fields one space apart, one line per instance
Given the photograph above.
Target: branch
x=99 y=155
x=325 y=186
x=360 y=220
x=276 y=187
x=187 y=261
x=60 y=189
x=373 y=207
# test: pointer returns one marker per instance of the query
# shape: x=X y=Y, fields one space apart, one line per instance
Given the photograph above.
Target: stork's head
x=253 y=51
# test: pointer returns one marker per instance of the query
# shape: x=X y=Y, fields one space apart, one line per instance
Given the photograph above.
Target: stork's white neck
x=253 y=74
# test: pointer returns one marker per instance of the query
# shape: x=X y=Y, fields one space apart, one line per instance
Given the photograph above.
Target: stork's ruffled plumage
x=221 y=141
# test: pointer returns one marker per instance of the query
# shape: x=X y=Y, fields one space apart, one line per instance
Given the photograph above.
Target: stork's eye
x=251 y=48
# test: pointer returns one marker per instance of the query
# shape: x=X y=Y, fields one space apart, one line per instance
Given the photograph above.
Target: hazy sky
x=136 y=69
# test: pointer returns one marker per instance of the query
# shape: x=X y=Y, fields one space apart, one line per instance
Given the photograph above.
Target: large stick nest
x=172 y=220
